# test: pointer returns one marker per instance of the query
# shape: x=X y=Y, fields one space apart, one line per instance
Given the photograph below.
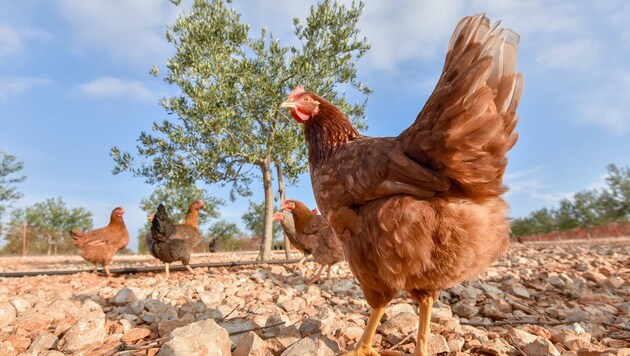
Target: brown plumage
x=422 y=211
x=314 y=231
x=99 y=246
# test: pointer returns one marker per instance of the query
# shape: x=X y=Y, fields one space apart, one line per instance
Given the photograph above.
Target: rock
x=135 y=334
x=540 y=347
x=611 y=283
x=396 y=328
x=557 y=282
x=45 y=341
x=394 y=309
x=20 y=304
x=455 y=343
x=465 y=310
x=236 y=326
x=437 y=344
x=251 y=345
x=593 y=276
x=165 y=327
x=7 y=314
x=293 y=305
x=308 y=347
x=275 y=319
x=519 y=337
x=517 y=289
x=200 y=338
x=124 y=296
x=497 y=347
x=351 y=334
x=322 y=324
x=287 y=336
x=88 y=332
x=572 y=340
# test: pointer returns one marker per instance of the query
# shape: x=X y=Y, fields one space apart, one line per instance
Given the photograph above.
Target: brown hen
x=422 y=211
x=288 y=226
x=314 y=231
x=99 y=246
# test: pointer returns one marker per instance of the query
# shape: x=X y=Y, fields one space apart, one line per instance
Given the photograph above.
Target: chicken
x=99 y=246
x=314 y=231
x=167 y=244
x=191 y=219
x=422 y=211
x=288 y=226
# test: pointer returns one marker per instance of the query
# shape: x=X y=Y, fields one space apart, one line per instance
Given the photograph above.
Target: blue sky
x=74 y=81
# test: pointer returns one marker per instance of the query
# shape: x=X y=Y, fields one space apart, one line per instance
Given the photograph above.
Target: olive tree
x=227 y=127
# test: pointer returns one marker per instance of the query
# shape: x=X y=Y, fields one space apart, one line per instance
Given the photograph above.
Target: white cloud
x=11 y=85
x=569 y=56
x=127 y=29
x=115 y=87
x=421 y=31
x=10 y=41
x=606 y=105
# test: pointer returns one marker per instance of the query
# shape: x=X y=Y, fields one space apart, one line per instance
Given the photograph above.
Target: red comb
x=297 y=91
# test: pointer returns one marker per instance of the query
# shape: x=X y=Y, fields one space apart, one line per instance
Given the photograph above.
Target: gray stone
x=465 y=310
x=200 y=338
x=89 y=330
x=45 y=341
x=124 y=296
x=517 y=289
x=396 y=328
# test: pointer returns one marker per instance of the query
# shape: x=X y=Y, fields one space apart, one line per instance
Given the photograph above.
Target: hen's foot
x=363 y=351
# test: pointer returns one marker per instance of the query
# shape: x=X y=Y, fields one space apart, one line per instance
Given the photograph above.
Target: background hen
x=422 y=211
x=99 y=246
x=314 y=231
x=191 y=236
x=288 y=226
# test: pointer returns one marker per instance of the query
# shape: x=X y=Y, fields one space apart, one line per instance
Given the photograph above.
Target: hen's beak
x=289 y=105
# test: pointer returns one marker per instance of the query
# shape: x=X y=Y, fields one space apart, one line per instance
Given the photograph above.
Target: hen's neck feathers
x=327 y=131
x=301 y=215
x=192 y=217
x=116 y=222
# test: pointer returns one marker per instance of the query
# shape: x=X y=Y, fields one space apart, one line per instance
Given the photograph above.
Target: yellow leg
x=328 y=274
x=364 y=346
x=166 y=267
x=424 y=325
x=95 y=268
x=190 y=269
x=316 y=277
x=298 y=266
x=107 y=270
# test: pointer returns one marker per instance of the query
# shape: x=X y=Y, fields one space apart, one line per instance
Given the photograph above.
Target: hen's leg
x=316 y=278
x=190 y=269
x=166 y=267
x=364 y=346
x=95 y=268
x=107 y=271
x=425 y=303
x=328 y=274
x=298 y=266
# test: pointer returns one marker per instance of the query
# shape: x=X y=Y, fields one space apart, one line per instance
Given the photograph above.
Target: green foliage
x=593 y=207
x=177 y=199
x=48 y=224
x=228 y=128
x=9 y=165
x=253 y=219
x=227 y=233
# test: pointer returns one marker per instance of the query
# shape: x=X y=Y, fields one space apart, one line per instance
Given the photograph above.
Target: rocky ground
x=541 y=299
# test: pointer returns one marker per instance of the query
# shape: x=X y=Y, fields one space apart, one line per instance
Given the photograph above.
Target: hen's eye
x=306 y=98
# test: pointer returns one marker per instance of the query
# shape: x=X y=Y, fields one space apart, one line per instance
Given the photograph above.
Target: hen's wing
x=467 y=126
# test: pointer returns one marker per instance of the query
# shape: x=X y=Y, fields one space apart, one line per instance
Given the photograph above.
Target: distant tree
x=253 y=220
x=227 y=234
x=617 y=196
x=177 y=200
x=594 y=207
x=9 y=166
x=230 y=128
x=47 y=229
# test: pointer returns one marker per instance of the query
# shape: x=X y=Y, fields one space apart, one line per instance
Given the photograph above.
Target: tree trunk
x=49 y=243
x=267 y=238
x=281 y=191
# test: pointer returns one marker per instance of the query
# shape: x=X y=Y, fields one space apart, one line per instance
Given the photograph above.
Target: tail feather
x=467 y=126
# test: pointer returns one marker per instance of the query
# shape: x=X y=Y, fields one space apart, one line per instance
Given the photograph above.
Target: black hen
x=164 y=247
